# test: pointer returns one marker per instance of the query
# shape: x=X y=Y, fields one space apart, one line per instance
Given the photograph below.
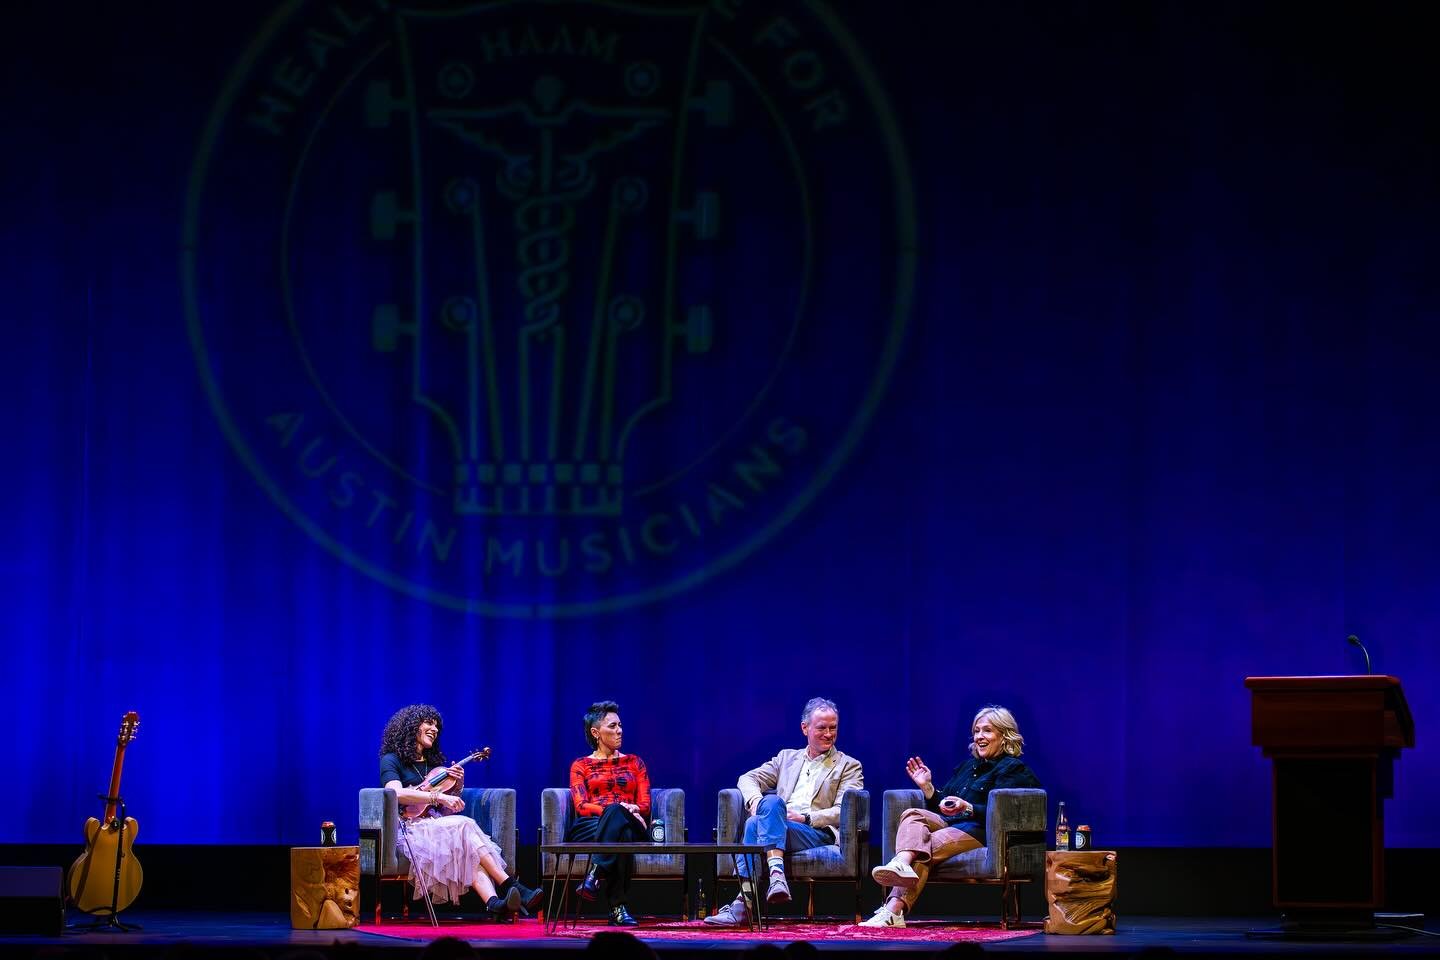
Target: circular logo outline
x=904 y=283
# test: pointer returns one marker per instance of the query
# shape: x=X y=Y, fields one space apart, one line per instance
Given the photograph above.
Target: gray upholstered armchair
x=557 y=813
x=493 y=809
x=848 y=860
x=1014 y=851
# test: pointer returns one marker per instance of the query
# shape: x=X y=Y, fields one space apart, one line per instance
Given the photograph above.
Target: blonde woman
x=953 y=818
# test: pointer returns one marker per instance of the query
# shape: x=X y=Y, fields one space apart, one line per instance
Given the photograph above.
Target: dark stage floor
x=252 y=935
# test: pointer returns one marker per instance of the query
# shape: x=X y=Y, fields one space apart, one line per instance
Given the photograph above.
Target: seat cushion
x=826 y=861
x=975 y=864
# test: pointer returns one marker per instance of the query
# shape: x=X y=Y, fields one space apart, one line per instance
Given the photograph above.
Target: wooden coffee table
x=752 y=852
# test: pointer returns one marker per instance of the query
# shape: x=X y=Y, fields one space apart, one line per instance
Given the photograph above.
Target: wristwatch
x=807 y=819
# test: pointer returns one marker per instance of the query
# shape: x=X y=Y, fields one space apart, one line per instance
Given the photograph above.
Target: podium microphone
x=1352 y=639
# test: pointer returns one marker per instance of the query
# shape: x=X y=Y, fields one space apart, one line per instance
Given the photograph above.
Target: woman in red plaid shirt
x=611 y=793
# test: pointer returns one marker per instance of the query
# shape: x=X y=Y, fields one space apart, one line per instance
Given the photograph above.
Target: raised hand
x=919 y=773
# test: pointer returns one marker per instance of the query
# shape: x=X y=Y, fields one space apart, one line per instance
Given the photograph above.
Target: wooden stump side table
x=324 y=887
x=1080 y=888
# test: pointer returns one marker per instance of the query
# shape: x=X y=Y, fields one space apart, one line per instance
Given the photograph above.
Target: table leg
x=735 y=867
x=759 y=900
x=579 y=901
x=550 y=900
x=752 y=902
x=685 y=897
x=559 y=914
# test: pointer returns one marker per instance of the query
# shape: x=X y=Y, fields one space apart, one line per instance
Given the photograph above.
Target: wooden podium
x=1332 y=741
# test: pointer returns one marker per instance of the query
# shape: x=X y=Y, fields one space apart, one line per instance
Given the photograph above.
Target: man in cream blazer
x=804 y=810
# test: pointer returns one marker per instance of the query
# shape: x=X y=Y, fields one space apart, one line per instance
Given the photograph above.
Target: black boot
x=525 y=900
x=530 y=899
x=620 y=917
x=506 y=902
x=589 y=888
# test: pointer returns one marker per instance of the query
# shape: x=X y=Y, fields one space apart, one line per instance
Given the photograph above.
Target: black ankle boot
x=620 y=917
x=530 y=899
x=589 y=888
x=524 y=898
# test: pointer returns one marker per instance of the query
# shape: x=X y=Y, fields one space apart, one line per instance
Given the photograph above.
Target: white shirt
x=811 y=772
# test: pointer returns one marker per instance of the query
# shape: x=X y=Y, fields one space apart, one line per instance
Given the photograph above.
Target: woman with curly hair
x=448 y=851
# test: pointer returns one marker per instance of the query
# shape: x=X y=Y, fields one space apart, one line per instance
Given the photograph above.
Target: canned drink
x=327 y=834
x=1083 y=840
x=657 y=830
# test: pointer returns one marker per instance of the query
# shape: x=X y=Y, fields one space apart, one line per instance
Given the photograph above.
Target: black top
x=408 y=772
x=973 y=780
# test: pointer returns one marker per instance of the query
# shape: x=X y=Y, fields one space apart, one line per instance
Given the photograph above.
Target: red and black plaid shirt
x=595 y=784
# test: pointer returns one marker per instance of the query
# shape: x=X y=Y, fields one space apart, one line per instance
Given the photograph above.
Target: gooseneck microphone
x=1354 y=640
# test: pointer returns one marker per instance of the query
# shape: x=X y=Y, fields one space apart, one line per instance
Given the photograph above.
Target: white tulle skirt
x=444 y=854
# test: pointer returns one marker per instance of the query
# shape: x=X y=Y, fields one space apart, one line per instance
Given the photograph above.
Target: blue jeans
x=770 y=828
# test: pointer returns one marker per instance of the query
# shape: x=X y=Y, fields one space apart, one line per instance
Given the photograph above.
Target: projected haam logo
x=548 y=308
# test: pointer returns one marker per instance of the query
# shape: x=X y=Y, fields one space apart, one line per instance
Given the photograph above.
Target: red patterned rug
x=780 y=931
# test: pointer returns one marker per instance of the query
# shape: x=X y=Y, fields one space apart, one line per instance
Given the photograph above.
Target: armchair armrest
x=493 y=809
x=854 y=829
x=729 y=815
x=1015 y=829
x=897 y=802
x=556 y=812
x=730 y=819
x=379 y=819
x=1011 y=810
x=668 y=804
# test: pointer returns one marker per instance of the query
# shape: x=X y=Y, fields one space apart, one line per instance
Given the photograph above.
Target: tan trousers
x=925 y=834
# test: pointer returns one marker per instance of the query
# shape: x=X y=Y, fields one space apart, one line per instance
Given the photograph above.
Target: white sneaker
x=884 y=918
x=733 y=914
x=896 y=873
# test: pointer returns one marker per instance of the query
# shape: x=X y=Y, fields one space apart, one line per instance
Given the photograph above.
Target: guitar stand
x=111 y=921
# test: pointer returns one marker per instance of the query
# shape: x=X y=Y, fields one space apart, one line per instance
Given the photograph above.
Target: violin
x=439 y=780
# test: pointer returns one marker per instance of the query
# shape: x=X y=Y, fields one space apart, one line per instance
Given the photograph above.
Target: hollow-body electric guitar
x=91 y=881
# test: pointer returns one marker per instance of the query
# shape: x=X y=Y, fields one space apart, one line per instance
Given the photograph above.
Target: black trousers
x=615 y=825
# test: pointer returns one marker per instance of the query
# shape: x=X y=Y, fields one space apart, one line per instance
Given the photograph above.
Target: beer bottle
x=1062 y=829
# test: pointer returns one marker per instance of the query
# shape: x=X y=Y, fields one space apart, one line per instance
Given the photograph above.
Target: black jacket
x=973 y=780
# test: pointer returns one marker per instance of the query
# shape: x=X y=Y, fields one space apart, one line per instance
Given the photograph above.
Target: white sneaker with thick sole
x=884 y=918
x=896 y=873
